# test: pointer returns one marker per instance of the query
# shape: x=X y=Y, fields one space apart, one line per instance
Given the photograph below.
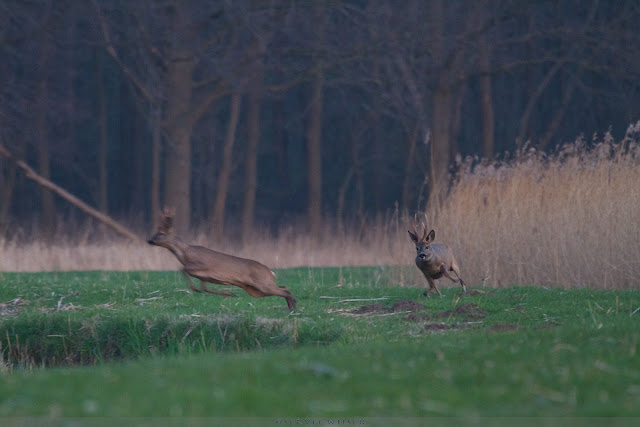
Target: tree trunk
x=225 y=169
x=440 y=139
x=441 y=110
x=251 y=169
x=104 y=139
x=559 y=116
x=7 y=186
x=524 y=133
x=486 y=101
x=178 y=131
x=282 y=150
x=44 y=166
x=456 y=119
x=44 y=162
x=314 y=156
x=156 y=146
x=408 y=168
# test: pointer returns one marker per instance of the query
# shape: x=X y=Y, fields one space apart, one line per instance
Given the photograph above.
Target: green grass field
x=97 y=344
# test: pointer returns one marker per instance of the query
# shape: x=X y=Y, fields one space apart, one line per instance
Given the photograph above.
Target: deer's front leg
x=188 y=280
x=459 y=279
x=223 y=293
x=432 y=286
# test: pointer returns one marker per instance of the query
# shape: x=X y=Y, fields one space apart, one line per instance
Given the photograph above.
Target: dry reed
x=571 y=218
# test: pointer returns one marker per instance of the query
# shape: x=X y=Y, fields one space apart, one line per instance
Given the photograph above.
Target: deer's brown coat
x=434 y=260
x=216 y=267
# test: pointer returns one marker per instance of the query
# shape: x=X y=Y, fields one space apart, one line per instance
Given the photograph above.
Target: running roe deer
x=216 y=267
x=434 y=261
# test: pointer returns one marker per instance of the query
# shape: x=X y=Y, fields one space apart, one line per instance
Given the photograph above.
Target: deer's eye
x=418 y=248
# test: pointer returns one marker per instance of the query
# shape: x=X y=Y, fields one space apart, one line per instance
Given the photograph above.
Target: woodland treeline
x=263 y=112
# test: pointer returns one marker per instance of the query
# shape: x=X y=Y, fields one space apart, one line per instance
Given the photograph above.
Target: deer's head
x=423 y=244
x=164 y=235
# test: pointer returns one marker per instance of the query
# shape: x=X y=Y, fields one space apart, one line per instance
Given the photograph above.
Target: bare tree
x=251 y=164
x=314 y=135
x=255 y=87
x=226 y=167
x=42 y=144
x=166 y=47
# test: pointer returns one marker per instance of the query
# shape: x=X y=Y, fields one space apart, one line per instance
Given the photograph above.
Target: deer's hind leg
x=286 y=294
x=280 y=291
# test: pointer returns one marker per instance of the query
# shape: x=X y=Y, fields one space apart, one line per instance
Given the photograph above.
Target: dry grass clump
x=570 y=218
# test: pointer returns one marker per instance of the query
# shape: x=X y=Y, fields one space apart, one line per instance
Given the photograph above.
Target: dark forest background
x=250 y=113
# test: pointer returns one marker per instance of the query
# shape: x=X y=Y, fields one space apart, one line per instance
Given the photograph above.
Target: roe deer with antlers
x=434 y=261
x=216 y=267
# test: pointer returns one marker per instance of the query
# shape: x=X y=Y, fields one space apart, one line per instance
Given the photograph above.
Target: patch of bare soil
x=404 y=305
x=372 y=308
x=415 y=317
x=407 y=305
x=504 y=327
x=549 y=324
x=468 y=311
x=438 y=326
x=475 y=292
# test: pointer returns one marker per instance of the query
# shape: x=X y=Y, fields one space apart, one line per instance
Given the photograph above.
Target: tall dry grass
x=568 y=219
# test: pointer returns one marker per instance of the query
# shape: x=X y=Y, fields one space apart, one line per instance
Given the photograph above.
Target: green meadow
x=139 y=344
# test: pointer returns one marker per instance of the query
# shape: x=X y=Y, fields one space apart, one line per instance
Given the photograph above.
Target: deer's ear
x=414 y=238
x=431 y=236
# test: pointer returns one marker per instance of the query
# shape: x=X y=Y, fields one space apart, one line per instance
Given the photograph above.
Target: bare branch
x=112 y=51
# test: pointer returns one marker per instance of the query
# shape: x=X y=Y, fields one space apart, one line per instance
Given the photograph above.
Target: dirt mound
x=468 y=311
x=407 y=305
x=504 y=327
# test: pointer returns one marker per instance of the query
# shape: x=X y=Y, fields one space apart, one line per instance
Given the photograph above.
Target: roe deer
x=434 y=261
x=219 y=268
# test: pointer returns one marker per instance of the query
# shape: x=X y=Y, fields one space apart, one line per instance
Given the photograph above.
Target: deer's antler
x=414 y=227
x=424 y=226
